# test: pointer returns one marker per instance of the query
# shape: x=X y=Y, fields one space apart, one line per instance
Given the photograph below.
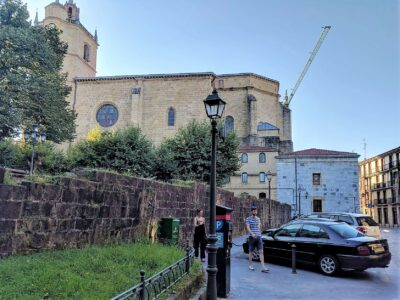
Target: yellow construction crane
x=289 y=98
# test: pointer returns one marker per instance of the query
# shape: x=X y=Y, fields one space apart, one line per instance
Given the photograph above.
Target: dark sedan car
x=329 y=245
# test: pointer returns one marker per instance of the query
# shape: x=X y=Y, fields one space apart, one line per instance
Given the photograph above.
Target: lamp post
x=214 y=106
x=269 y=177
x=300 y=189
x=35 y=136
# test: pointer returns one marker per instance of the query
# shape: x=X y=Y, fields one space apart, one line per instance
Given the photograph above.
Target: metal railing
x=156 y=285
x=391 y=165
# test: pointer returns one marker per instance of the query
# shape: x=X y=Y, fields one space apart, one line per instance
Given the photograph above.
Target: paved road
x=280 y=283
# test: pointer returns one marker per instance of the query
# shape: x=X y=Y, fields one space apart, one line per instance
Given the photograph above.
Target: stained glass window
x=107 y=115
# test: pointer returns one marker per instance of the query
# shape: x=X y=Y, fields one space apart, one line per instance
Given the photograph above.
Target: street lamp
x=35 y=136
x=214 y=106
x=269 y=178
x=300 y=189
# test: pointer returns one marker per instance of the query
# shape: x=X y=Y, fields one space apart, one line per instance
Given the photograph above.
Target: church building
x=160 y=104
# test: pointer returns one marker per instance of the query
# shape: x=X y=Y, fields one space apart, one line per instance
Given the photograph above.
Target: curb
x=196 y=283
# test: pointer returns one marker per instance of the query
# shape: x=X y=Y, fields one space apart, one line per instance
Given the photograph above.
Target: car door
x=311 y=240
x=279 y=244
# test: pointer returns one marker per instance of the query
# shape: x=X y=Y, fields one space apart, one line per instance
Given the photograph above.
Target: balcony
x=391 y=165
x=380 y=201
x=380 y=185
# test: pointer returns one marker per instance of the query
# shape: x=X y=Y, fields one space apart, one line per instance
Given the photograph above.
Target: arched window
x=69 y=12
x=244 y=177
x=86 y=52
x=245 y=158
x=262 y=195
x=171 y=117
x=229 y=125
x=261 y=158
x=261 y=176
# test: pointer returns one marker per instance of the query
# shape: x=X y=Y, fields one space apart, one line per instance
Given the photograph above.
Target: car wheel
x=328 y=264
x=256 y=255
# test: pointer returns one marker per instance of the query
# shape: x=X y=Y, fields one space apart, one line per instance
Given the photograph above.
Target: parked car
x=363 y=223
x=328 y=244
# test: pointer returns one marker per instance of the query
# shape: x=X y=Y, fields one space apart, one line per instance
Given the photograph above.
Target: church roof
x=171 y=75
x=313 y=152
x=146 y=76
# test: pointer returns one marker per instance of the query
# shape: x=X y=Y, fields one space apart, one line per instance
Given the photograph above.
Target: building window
x=262 y=195
x=261 y=176
x=261 y=158
x=107 y=115
x=229 y=125
x=316 y=178
x=221 y=84
x=379 y=215
x=245 y=158
x=244 y=177
x=317 y=205
x=171 y=117
x=385 y=215
x=86 y=52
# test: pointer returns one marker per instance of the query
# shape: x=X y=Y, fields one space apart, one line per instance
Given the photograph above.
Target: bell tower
x=80 y=60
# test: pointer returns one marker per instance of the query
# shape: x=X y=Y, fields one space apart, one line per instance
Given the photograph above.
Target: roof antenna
x=365 y=149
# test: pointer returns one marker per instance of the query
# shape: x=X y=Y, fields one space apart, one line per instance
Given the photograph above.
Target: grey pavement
x=308 y=283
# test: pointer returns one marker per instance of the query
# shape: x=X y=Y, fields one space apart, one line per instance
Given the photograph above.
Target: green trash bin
x=169 y=230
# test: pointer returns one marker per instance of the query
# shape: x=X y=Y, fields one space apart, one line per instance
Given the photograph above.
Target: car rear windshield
x=345 y=231
x=366 y=221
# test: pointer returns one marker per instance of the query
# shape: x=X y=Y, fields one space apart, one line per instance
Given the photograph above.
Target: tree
x=187 y=156
x=125 y=151
x=32 y=89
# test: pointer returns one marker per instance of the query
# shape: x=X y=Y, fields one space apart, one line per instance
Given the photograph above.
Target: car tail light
x=363 y=250
x=362 y=229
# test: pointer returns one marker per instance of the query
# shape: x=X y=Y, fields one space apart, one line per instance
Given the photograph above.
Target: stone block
x=99 y=197
x=7 y=226
x=65 y=210
x=69 y=196
x=10 y=209
x=46 y=209
x=65 y=224
x=5 y=245
x=6 y=192
x=37 y=240
x=2 y=174
x=104 y=212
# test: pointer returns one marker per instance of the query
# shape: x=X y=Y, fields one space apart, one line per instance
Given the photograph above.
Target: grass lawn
x=95 y=272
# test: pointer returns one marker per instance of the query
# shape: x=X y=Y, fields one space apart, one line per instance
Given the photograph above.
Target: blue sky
x=350 y=92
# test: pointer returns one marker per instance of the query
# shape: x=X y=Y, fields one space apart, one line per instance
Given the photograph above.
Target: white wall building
x=315 y=180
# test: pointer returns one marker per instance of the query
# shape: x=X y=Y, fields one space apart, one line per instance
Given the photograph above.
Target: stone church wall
x=99 y=207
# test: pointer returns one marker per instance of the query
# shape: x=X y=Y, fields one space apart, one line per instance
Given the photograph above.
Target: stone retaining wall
x=100 y=207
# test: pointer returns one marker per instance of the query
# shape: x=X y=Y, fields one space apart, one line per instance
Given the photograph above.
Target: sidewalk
x=308 y=283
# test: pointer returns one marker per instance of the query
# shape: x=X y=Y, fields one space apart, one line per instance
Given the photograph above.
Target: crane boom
x=312 y=56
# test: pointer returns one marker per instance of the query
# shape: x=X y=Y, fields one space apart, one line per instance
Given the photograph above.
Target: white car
x=363 y=223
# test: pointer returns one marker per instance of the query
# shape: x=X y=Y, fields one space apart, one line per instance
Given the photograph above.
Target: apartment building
x=379 y=178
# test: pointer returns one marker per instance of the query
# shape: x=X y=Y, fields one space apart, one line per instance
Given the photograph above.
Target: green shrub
x=48 y=159
x=10 y=154
x=8 y=179
x=125 y=151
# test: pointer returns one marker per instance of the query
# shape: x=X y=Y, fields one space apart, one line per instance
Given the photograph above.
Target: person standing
x=200 y=238
x=253 y=224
